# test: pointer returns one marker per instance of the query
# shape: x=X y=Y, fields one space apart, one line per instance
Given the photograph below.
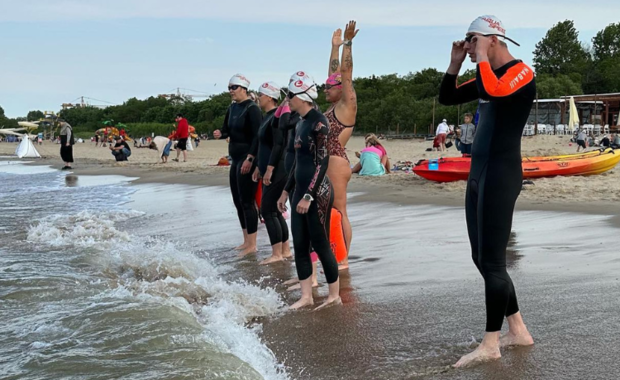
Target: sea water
x=87 y=292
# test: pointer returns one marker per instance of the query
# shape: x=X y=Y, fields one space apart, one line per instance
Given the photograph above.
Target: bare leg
x=276 y=255
x=184 y=156
x=245 y=241
x=339 y=173
x=517 y=334
x=306 y=295
x=178 y=154
x=315 y=280
x=251 y=247
x=487 y=350
x=334 y=296
x=286 y=250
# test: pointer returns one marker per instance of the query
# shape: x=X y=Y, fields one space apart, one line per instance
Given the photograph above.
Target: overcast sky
x=53 y=51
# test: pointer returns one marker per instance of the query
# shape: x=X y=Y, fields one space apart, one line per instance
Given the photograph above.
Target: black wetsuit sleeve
x=278 y=142
x=514 y=80
x=253 y=120
x=290 y=183
x=450 y=93
x=225 y=131
x=321 y=130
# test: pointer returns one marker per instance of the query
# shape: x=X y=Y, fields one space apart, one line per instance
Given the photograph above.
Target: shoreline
x=400 y=318
x=367 y=189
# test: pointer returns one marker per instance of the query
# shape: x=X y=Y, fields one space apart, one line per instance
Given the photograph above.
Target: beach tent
x=573 y=115
x=26 y=149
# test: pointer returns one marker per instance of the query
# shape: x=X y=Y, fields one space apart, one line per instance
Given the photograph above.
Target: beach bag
x=189 y=146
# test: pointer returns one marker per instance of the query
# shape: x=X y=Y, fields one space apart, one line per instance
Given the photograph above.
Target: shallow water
x=88 y=291
x=100 y=279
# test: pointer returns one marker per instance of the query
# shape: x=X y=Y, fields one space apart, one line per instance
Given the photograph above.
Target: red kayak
x=457 y=168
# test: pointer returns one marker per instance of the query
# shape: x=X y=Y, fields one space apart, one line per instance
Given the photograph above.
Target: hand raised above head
x=337 y=37
x=350 y=32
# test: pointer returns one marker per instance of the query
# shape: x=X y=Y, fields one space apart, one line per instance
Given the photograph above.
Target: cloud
x=522 y=14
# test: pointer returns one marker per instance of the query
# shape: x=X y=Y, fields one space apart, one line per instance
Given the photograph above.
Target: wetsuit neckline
x=507 y=65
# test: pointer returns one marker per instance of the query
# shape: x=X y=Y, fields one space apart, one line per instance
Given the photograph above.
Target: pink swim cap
x=334 y=80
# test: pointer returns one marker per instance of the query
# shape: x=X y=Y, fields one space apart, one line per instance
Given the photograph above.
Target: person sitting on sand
x=605 y=142
x=616 y=141
x=162 y=145
x=121 y=151
x=373 y=160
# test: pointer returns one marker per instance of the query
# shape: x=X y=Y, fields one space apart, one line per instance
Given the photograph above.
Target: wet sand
x=413 y=300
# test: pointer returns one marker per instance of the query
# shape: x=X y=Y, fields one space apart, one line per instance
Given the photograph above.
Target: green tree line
x=563 y=65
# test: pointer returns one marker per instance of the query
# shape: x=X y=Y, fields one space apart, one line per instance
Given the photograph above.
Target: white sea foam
x=152 y=270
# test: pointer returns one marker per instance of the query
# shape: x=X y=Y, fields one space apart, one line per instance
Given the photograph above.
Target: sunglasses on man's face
x=233 y=87
x=330 y=86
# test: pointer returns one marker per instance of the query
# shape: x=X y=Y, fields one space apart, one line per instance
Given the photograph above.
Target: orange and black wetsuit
x=506 y=96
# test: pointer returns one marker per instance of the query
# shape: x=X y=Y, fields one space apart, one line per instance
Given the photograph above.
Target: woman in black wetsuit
x=506 y=89
x=313 y=195
x=271 y=169
x=241 y=124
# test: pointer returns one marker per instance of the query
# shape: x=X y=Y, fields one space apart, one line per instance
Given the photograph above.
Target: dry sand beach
x=413 y=300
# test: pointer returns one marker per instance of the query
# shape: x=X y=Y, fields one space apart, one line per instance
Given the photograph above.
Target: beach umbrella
x=573 y=115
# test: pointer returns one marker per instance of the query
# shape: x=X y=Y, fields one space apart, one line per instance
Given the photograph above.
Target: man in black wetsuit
x=241 y=124
x=506 y=89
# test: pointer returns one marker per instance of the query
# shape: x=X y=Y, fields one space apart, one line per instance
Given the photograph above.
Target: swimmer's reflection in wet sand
x=71 y=180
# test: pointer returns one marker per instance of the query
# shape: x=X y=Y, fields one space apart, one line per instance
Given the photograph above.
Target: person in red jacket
x=182 y=134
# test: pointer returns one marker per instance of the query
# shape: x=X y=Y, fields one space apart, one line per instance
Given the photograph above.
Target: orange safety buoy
x=259 y=195
x=336 y=236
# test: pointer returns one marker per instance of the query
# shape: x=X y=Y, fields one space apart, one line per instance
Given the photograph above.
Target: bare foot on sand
x=298 y=286
x=242 y=247
x=292 y=281
x=330 y=302
x=272 y=259
x=302 y=303
x=286 y=252
x=480 y=355
x=511 y=339
x=248 y=251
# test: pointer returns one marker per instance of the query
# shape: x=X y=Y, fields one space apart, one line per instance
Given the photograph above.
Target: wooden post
x=562 y=112
x=433 y=113
x=593 y=114
x=536 y=116
x=415 y=128
x=607 y=114
x=397 y=129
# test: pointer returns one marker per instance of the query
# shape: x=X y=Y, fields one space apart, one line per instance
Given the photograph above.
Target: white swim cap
x=303 y=87
x=489 y=25
x=270 y=89
x=239 y=80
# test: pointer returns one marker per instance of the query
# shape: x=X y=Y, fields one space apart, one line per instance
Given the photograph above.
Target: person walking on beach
x=182 y=134
x=341 y=115
x=241 y=125
x=506 y=89
x=442 y=134
x=270 y=168
x=468 y=131
x=313 y=194
x=581 y=139
x=67 y=140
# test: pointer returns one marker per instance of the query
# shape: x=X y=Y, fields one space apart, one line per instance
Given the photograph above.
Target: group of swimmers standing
x=299 y=155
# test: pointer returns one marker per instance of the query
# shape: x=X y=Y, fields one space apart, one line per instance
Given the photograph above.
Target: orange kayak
x=457 y=168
